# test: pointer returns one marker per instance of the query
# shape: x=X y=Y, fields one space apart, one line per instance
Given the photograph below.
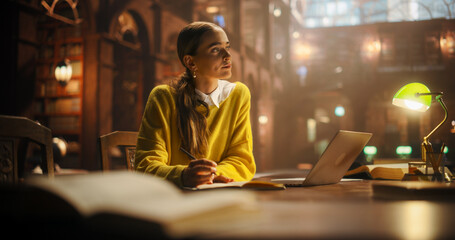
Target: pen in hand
x=192 y=157
x=187 y=153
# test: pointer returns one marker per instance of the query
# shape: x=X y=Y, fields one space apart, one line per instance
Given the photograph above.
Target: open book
x=253 y=184
x=393 y=171
x=129 y=201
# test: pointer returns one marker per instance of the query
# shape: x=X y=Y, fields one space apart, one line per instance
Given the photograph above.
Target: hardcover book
x=125 y=203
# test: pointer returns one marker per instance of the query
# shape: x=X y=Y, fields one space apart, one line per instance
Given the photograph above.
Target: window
x=328 y=13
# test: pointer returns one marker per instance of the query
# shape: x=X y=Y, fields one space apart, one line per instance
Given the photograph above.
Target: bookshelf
x=60 y=107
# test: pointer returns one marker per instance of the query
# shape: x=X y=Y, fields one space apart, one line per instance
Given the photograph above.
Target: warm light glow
x=416 y=220
x=311 y=129
x=263 y=119
x=338 y=69
x=278 y=56
x=450 y=43
x=212 y=9
x=413 y=105
x=324 y=119
x=277 y=12
x=447 y=42
x=61 y=144
x=63 y=72
x=295 y=34
x=372 y=47
x=443 y=42
x=409 y=104
x=302 y=50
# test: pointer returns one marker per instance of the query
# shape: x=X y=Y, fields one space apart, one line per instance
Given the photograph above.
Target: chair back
x=123 y=139
x=15 y=134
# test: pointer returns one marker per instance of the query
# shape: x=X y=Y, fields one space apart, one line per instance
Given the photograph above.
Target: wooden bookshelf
x=60 y=107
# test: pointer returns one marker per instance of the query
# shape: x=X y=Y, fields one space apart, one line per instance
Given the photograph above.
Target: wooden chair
x=15 y=135
x=123 y=139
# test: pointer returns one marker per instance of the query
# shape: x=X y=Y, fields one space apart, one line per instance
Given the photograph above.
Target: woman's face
x=213 y=59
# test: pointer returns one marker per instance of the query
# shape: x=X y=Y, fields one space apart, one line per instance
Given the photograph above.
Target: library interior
x=353 y=99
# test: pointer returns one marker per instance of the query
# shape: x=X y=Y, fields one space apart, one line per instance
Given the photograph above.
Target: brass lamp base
x=431 y=158
x=434 y=162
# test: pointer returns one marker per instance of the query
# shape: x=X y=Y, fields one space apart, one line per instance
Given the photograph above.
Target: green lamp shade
x=403 y=150
x=406 y=97
x=370 y=150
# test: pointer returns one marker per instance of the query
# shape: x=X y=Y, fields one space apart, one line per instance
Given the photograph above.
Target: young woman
x=197 y=130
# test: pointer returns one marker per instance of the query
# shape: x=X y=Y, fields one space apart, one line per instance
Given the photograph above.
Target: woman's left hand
x=222 y=179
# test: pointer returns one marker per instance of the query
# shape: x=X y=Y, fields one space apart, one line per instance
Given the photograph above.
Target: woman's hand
x=222 y=179
x=199 y=171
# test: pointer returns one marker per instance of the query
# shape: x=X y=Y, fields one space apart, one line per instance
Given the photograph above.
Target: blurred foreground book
x=124 y=203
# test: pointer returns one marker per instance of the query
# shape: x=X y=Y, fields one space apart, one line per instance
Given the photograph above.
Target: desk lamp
x=417 y=97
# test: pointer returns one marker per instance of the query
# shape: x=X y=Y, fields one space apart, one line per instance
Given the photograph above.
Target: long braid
x=191 y=123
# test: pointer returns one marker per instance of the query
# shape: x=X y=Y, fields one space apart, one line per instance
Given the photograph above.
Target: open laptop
x=334 y=162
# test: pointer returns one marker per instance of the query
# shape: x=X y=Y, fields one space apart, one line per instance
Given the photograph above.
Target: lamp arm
x=430 y=93
x=439 y=99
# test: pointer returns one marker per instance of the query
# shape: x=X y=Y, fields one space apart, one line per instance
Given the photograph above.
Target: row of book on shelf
x=63 y=105
x=52 y=88
x=64 y=123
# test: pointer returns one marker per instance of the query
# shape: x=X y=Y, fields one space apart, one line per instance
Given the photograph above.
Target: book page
x=403 y=166
x=387 y=173
x=90 y=192
x=253 y=184
x=220 y=185
x=392 y=171
x=140 y=196
x=381 y=171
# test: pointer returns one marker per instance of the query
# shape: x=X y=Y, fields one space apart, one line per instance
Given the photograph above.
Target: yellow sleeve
x=239 y=161
x=153 y=143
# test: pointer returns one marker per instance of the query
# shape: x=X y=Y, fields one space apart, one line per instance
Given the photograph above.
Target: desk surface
x=344 y=210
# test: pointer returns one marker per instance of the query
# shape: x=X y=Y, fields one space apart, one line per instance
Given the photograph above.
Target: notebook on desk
x=334 y=162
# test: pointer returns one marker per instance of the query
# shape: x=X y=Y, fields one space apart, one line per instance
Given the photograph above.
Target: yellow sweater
x=230 y=143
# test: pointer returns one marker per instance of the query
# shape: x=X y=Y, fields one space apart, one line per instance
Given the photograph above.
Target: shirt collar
x=211 y=99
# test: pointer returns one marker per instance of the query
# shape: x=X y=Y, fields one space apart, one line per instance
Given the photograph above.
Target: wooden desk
x=341 y=211
x=345 y=210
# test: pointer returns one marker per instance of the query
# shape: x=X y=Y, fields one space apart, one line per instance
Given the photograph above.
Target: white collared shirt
x=218 y=95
